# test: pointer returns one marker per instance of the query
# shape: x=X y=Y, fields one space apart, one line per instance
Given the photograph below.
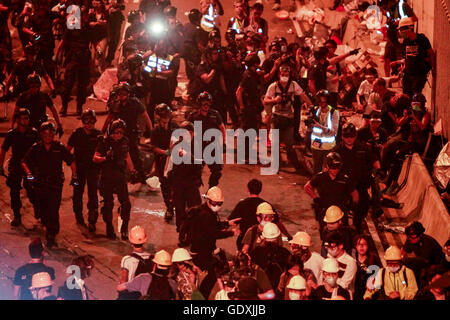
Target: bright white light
x=157 y=27
x=400 y=9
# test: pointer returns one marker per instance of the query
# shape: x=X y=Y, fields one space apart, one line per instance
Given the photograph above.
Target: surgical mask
x=331 y=281
x=215 y=208
x=333 y=252
x=394 y=269
x=284 y=79
x=294 y=295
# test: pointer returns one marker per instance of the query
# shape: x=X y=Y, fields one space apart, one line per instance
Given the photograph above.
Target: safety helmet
x=22 y=112
x=302 y=239
x=297 y=283
x=47 y=126
x=333 y=160
x=137 y=235
x=323 y=93
x=333 y=214
x=117 y=124
x=33 y=79
x=419 y=97
x=214 y=34
x=215 y=194
x=264 y=208
x=230 y=35
x=123 y=86
x=393 y=253
x=135 y=60
x=163 y=259
x=407 y=22
x=133 y=16
x=271 y=231
x=180 y=255
x=252 y=59
x=349 y=130
x=204 y=96
x=414 y=228
x=88 y=113
x=170 y=11
x=195 y=16
x=29 y=49
x=330 y=265
x=162 y=110
x=41 y=280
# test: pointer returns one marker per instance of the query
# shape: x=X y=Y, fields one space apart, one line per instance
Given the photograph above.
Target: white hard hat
x=264 y=208
x=297 y=283
x=163 y=259
x=271 y=231
x=181 y=254
x=41 y=280
x=153 y=182
x=302 y=239
x=393 y=253
x=215 y=194
x=330 y=265
x=137 y=235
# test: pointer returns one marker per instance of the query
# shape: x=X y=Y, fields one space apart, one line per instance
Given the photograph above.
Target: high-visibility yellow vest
x=326 y=143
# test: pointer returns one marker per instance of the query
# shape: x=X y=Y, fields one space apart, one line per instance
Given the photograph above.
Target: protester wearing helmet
x=358 y=164
x=296 y=288
x=19 y=140
x=330 y=290
x=138 y=261
x=43 y=164
x=113 y=155
x=210 y=119
x=331 y=187
x=41 y=286
x=186 y=275
x=395 y=281
x=83 y=141
x=300 y=245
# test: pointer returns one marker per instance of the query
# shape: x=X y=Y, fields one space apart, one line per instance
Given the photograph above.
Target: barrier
x=422 y=201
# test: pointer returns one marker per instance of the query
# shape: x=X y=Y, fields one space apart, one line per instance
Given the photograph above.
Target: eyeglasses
x=215 y=203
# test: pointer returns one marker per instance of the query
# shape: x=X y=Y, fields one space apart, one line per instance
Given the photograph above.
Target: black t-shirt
x=25 y=273
x=23 y=68
x=246 y=209
x=160 y=138
x=332 y=192
x=415 y=52
x=20 y=143
x=322 y=294
x=84 y=146
x=98 y=32
x=45 y=165
x=191 y=35
x=365 y=135
x=318 y=73
x=213 y=87
x=42 y=25
x=76 y=44
x=128 y=112
x=251 y=83
x=37 y=105
x=387 y=123
x=70 y=294
x=212 y=120
x=119 y=150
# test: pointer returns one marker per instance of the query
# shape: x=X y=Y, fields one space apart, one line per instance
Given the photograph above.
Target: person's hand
x=167 y=152
x=394 y=295
x=277 y=62
x=233 y=222
x=60 y=131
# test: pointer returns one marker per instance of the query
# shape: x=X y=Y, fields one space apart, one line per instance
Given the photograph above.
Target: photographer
x=284 y=96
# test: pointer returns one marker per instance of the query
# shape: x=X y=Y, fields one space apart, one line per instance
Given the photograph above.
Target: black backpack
x=273 y=270
x=187 y=226
x=159 y=289
x=144 y=266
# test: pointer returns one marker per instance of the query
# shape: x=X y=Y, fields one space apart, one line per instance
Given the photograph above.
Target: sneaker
x=16 y=222
x=276 y=7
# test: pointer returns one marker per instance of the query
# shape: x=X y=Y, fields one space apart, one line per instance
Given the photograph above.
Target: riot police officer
x=43 y=163
x=192 y=46
x=160 y=142
x=132 y=72
x=210 y=119
x=37 y=103
x=84 y=140
x=123 y=106
x=112 y=153
x=19 y=140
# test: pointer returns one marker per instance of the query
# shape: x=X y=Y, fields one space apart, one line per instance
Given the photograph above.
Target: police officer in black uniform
x=112 y=153
x=132 y=72
x=192 y=46
x=19 y=140
x=37 y=103
x=357 y=163
x=160 y=142
x=84 y=140
x=210 y=119
x=122 y=106
x=43 y=163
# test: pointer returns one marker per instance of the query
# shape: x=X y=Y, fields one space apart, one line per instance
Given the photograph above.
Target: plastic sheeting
x=104 y=85
x=441 y=170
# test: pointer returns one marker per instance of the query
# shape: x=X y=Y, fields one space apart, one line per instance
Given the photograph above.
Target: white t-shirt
x=347 y=271
x=285 y=110
x=365 y=89
x=222 y=295
x=314 y=264
x=131 y=263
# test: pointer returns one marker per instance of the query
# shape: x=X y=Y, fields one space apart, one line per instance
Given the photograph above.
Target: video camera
x=312 y=118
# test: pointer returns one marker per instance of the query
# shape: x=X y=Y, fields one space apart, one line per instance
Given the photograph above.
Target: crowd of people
x=255 y=82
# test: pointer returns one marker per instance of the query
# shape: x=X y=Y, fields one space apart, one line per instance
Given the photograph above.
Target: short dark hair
x=332 y=42
x=365 y=237
x=372 y=71
x=35 y=248
x=335 y=237
x=381 y=82
x=258 y=6
x=254 y=186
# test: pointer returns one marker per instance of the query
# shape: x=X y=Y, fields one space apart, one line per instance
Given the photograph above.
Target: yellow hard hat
x=163 y=259
x=41 y=280
x=181 y=254
x=297 y=283
x=264 y=208
x=330 y=265
x=271 y=231
x=393 y=253
x=302 y=239
x=333 y=214
x=215 y=194
x=406 y=22
x=137 y=235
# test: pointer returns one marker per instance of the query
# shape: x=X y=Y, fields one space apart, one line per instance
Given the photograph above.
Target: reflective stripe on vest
x=317 y=130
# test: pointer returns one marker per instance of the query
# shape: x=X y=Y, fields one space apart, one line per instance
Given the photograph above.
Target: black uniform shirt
x=251 y=83
x=129 y=112
x=24 y=275
x=119 y=151
x=213 y=87
x=246 y=209
x=37 y=105
x=332 y=192
x=318 y=73
x=84 y=145
x=20 y=143
x=22 y=69
x=212 y=120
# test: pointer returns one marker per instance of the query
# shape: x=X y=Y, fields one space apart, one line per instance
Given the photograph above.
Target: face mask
x=333 y=252
x=394 y=270
x=263 y=223
x=294 y=296
x=284 y=79
x=331 y=281
x=215 y=208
